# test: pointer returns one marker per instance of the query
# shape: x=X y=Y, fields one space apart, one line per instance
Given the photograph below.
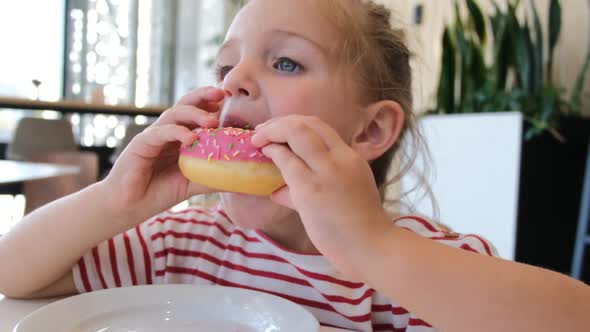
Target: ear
x=381 y=128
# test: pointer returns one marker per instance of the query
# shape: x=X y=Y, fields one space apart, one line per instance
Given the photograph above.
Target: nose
x=241 y=82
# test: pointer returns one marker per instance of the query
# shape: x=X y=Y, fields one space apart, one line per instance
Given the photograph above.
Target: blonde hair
x=381 y=56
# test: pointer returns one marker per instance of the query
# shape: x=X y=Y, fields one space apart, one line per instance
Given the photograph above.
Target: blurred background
x=501 y=88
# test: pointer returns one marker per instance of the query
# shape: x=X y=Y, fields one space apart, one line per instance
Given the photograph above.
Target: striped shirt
x=203 y=247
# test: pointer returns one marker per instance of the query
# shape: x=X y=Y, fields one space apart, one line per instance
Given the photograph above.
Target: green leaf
x=549 y=104
x=446 y=88
x=520 y=48
x=554 y=32
x=533 y=132
x=554 y=23
x=502 y=47
x=496 y=22
x=464 y=58
x=478 y=68
x=463 y=46
x=517 y=46
x=537 y=54
x=527 y=69
x=458 y=20
x=497 y=19
x=478 y=20
x=514 y=3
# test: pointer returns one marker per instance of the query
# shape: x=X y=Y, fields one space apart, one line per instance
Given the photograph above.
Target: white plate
x=171 y=308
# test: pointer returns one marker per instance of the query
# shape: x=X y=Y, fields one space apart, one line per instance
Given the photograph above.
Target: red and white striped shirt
x=204 y=247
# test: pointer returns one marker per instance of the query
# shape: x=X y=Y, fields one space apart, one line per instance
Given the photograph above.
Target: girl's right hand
x=146 y=179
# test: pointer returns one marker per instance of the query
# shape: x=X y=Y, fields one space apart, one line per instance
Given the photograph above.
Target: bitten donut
x=225 y=159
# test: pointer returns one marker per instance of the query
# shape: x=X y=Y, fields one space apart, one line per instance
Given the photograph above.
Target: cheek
x=312 y=98
x=332 y=107
x=295 y=99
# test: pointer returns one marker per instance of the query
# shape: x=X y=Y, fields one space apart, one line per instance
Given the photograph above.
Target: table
x=15 y=172
x=71 y=106
x=12 y=311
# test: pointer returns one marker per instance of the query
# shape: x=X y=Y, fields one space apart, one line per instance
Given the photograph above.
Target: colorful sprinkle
x=195 y=144
x=225 y=143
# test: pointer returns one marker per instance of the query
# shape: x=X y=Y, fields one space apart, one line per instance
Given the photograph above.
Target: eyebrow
x=225 y=45
x=309 y=40
x=230 y=42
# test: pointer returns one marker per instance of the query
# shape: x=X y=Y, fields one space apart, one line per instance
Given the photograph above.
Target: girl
x=327 y=84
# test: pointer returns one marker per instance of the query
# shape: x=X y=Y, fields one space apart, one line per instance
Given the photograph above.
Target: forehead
x=307 y=18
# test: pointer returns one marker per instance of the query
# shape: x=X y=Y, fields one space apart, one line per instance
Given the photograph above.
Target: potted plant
x=497 y=102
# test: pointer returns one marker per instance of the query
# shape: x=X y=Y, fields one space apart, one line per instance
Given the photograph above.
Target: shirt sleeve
x=418 y=325
x=402 y=320
x=470 y=242
x=125 y=260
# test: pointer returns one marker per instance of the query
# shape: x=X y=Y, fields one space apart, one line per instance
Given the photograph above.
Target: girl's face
x=280 y=57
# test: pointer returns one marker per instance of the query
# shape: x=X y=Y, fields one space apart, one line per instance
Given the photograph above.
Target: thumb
x=283 y=197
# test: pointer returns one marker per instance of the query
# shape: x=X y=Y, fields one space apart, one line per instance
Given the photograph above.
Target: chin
x=253 y=212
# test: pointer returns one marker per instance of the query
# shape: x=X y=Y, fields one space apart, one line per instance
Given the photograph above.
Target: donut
x=225 y=159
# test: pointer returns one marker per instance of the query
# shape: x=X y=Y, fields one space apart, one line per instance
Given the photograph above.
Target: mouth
x=236 y=122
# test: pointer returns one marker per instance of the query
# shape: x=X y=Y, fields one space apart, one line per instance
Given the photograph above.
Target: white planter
x=476 y=166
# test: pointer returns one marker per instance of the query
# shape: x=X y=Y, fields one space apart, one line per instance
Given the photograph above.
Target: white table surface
x=12 y=311
x=19 y=171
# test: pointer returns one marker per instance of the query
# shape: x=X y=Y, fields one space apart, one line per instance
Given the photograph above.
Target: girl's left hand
x=329 y=184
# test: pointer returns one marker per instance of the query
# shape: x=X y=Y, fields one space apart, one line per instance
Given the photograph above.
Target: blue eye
x=222 y=71
x=287 y=65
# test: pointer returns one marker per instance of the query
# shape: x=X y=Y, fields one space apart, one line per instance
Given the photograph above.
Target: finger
x=212 y=107
x=189 y=116
x=328 y=134
x=202 y=97
x=152 y=141
x=283 y=197
x=303 y=140
x=291 y=166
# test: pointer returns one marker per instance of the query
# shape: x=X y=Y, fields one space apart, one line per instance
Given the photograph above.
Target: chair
x=51 y=141
x=41 y=192
x=35 y=136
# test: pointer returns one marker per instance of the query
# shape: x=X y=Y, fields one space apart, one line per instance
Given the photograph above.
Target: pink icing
x=225 y=144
